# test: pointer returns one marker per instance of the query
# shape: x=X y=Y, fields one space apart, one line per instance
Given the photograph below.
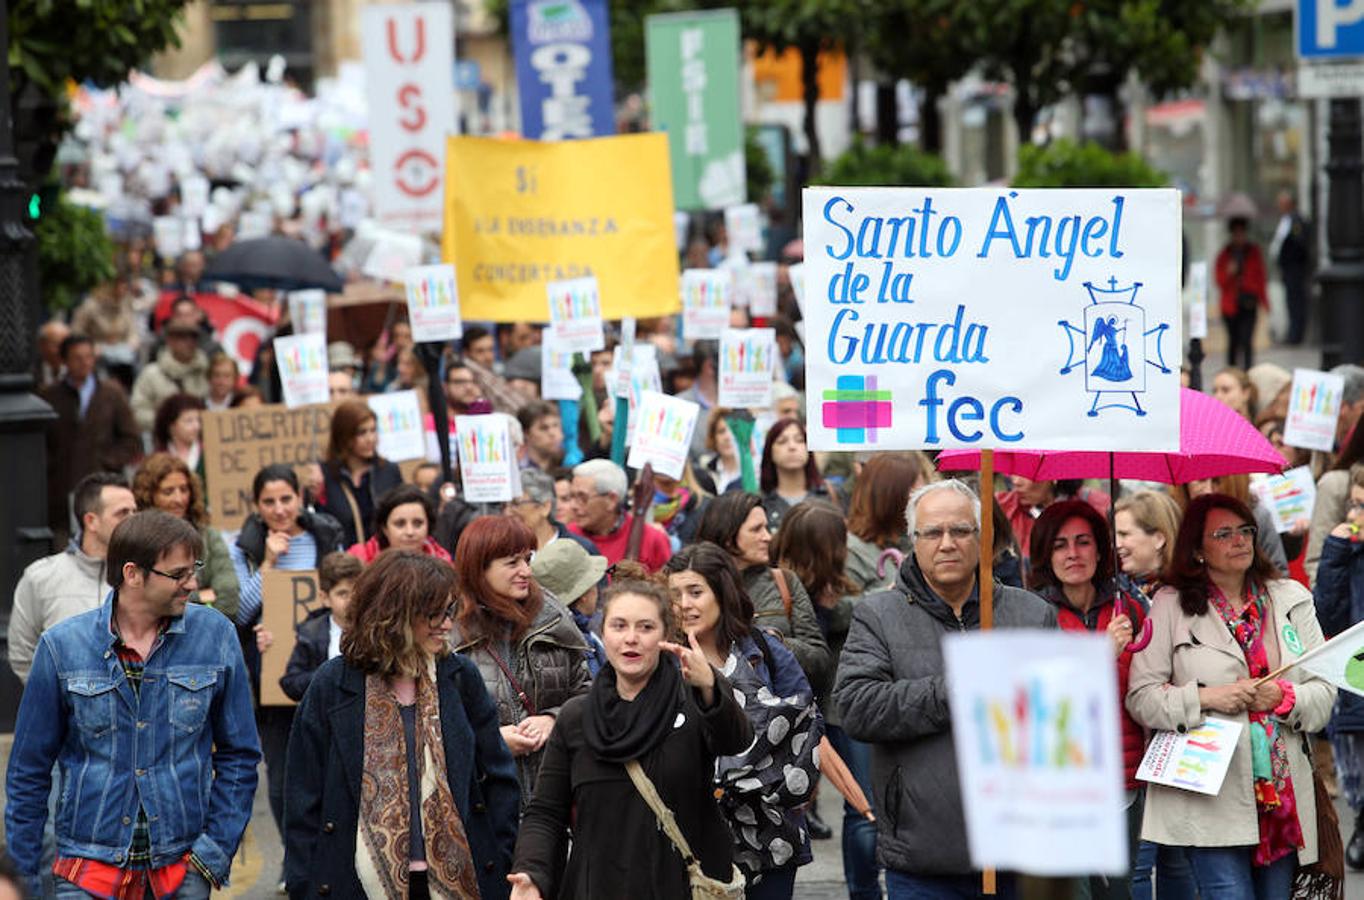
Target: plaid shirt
x=136 y=878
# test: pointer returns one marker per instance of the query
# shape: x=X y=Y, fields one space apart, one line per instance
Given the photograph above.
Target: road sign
x=1330 y=29
x=1345 y=79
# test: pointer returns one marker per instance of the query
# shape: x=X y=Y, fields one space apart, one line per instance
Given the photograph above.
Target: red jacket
x=370 y=549
x=1068 y=618
x=655 y=550
x=1250 y=280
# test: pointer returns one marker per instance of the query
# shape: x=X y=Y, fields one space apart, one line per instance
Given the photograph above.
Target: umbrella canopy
x=1213 y=440
x=1237 y=206
x=281 y=263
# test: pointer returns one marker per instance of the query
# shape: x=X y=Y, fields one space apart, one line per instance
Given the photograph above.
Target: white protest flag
x=1340 y=660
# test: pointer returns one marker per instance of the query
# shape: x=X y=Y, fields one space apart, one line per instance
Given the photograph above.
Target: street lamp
x=24 y=533
x=1342 y=282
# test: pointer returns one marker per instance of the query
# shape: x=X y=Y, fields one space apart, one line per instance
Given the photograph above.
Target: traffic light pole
x=24 y=533
x=1342 y=282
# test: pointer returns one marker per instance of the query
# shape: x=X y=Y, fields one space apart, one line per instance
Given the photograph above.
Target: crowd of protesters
x=603 y=688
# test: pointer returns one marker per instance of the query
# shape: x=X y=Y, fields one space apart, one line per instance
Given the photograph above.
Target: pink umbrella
x=1213 y=440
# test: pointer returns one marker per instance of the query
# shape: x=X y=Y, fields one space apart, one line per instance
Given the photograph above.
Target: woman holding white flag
x=1225 y=622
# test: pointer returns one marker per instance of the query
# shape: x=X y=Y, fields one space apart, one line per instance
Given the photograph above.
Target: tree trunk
x=930 y=118
x=1025 y=112
x=887 y=115
x=809 y=73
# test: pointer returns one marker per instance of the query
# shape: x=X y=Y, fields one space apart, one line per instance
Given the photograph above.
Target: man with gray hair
x=538 y=508
x=599 y=488
x=892 y=692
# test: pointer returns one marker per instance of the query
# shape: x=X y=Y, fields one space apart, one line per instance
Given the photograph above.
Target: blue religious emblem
x=1114 y=346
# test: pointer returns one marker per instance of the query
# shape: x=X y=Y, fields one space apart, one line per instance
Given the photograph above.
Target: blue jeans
x=1173 y=878
x=860 y=871
x=777 y=884
x=904 y=886
x=1226 y=873
x=194 y=887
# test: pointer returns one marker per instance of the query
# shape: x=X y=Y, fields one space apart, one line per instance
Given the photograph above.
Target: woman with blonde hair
x=399 y=784
x=165 y=482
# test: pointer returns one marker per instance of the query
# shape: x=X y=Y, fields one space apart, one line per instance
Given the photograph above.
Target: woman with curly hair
x=165 y=482
x=399 y=785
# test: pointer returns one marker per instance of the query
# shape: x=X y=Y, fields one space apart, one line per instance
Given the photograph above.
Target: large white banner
x=409 y=81
x=992 y=318
x=1035 y=726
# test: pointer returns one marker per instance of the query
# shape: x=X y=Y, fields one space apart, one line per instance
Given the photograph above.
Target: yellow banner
x=520 y=214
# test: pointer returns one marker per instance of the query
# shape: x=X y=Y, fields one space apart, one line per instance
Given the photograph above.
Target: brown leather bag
x=1325 y=878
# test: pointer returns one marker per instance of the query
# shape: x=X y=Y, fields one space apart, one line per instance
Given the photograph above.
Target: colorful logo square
x=855 y=409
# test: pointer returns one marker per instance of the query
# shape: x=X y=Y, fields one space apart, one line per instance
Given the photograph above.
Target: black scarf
x=617 y=730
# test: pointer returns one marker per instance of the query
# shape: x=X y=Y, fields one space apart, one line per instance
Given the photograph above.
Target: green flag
x=693 y=68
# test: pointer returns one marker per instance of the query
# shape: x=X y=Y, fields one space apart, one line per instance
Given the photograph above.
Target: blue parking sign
x=1330 y=29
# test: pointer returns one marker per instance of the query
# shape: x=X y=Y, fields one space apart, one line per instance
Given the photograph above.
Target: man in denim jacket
x=145 y=706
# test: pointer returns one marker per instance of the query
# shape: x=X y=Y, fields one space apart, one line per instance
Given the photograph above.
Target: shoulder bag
x=703 y=887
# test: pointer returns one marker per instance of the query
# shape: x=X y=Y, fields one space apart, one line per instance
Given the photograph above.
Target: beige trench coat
x=1188 y=651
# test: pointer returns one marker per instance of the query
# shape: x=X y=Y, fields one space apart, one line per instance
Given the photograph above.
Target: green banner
x=693 y=61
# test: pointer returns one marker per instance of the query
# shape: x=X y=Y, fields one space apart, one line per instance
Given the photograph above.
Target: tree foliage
x=75 y=254
x=1065 y=163
x=905 y=166
x=51 y=41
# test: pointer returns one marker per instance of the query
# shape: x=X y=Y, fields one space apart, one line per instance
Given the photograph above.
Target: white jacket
x=51 y=590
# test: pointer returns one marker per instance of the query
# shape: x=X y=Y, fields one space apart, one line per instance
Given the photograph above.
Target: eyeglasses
x=582 y=496
x=523 y=501
x=935 y=534
x=183 y=575
x=1223 y=535
x=436 y=620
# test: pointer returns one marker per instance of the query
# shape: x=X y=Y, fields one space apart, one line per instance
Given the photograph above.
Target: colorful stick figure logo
x=855 y=409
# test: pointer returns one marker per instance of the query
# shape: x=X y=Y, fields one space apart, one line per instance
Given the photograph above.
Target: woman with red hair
x=525 y=643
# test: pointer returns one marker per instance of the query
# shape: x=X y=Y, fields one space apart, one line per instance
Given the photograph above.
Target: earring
x=1198 y=558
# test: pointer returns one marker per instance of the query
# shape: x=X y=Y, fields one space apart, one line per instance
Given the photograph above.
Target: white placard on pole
x=302 y=363
x=433 y=303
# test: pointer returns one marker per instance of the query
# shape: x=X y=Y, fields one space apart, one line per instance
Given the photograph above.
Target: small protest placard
x=308 y=311
x=1313 y=407
x=1035 y=727
x=760 y=284
x=433 y=303
x=194 y=192
x=640 y=376
x=398 y=419
x=743 y=228
x=1289 y=497
x=1196 y=760
x=707 y=295
x=302 y=362
x=486 y=459
x=238 y=443
x=747 y=357
x=392 y=255
x=557 y=381
x=575 y=314
x=168 y=237
x=288 y=597
x=662 y=433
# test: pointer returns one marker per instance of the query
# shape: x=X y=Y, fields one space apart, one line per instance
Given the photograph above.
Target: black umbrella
x=281 y=263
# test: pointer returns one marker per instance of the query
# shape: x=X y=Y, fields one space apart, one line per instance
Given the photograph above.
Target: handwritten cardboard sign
x=238 y=443
x=288 y=597
x=992 y=318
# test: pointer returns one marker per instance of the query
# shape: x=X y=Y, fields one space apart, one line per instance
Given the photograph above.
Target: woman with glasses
x=521 y=638
x=399 y=784
x=1224 y=623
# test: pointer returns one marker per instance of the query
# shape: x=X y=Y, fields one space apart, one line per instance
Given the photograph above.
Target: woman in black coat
x=640 y=707
x=399 y=785
x=354 y=475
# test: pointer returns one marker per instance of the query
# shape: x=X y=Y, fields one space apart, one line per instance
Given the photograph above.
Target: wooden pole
x=986 y=579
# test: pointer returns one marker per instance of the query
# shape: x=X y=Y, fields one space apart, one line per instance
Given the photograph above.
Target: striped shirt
x=302 y=554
